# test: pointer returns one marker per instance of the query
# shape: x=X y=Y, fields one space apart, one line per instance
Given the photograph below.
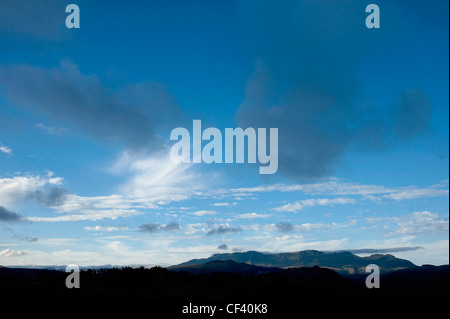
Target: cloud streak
x=383 y=250
x=299 y=205
x=417 y=223
x=337 y=188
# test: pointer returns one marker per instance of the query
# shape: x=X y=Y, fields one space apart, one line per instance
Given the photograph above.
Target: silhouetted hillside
x=217 y=266
x=217 y=283
x=343 y=262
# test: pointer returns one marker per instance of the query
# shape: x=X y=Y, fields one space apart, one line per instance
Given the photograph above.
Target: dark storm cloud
x=223 y=230
x=222 y=247
x=155 y=227
x=132 y=115
x=305 y=82
x=9 y=216
x=285 y=227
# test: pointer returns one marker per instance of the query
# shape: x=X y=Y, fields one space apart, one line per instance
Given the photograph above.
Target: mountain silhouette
x=341 y=261
x=230 y=266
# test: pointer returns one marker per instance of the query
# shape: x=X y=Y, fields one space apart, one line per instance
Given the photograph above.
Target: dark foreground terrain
x=225 y=285
x=226 y=280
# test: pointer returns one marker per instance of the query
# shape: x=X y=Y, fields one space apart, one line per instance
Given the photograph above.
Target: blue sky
x=86 y=115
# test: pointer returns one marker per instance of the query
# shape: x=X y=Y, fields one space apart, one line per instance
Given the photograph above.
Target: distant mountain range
x=343 y=262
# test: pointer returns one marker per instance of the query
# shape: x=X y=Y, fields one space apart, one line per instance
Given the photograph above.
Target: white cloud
x=156 y=178
x=337 y=188
x=5 y=149
x=11 y=253
x=299 y=205
x=18 y=187
x=253 y=215
x=420 y=223
x=416 y=193
x=204 y=213
x=191 y=229
x=88 y=215
x=225 y=204
x=417 y=223
x=108 y=229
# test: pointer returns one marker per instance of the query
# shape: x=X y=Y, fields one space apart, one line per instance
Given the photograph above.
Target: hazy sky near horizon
x=86 y=114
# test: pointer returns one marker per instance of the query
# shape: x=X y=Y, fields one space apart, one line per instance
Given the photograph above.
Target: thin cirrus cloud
x=52 y=130
x=417 y=223
x=383 y=250
x=337 y=188
x=299 y=205
x=18 y=236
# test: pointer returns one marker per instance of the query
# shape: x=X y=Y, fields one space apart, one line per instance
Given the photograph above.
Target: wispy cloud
x=21 y=237
x=299 y=205
x=417 y=223
x=337 y=188
x=52 y=130
x=5 y=149
x=105 y=229
x=155 y=177
x=416 y=193
x=88 y=214
x=383 y=250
